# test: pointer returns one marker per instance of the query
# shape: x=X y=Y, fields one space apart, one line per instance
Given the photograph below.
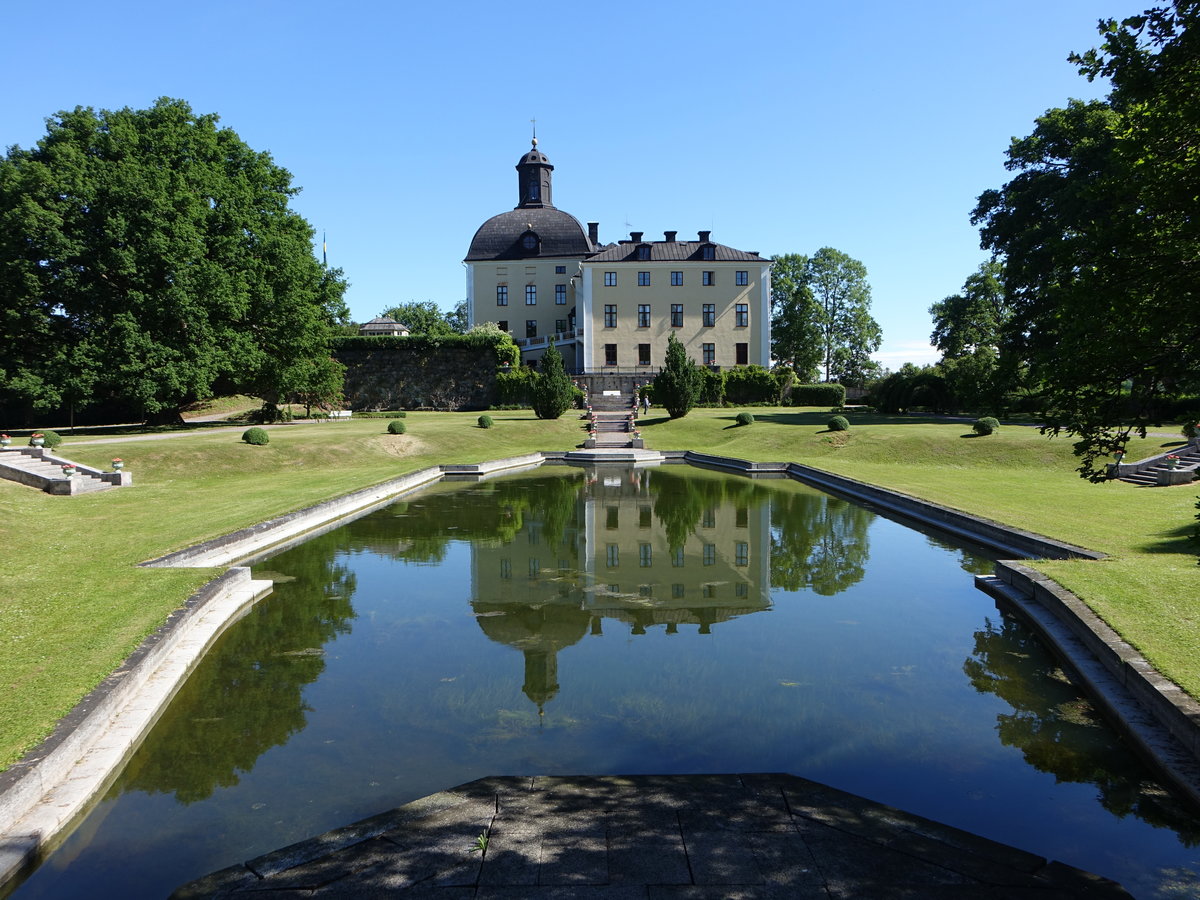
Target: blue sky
x=781 y=126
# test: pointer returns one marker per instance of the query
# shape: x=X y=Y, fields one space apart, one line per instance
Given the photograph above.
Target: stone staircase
x=34 y=467
x=612 y=422
x=1155 y=471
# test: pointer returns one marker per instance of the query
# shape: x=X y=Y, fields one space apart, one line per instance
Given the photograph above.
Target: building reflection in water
x=645 y=547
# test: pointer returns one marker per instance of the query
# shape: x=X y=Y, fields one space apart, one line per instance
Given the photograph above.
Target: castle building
x=609 y=308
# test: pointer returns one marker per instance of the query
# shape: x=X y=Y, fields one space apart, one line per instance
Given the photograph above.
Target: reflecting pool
x=662 y=620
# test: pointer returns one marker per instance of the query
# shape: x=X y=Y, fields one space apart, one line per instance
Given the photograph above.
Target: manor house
x=537 y=273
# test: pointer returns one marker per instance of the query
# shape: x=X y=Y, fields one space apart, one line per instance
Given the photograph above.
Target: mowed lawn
x=74 y=604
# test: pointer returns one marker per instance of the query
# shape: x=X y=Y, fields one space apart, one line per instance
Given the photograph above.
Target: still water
x=666 y=620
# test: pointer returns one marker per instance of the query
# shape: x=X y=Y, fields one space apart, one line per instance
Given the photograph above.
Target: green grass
x=75 y=604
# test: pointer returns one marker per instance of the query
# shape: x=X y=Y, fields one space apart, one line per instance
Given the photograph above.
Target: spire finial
x=533 y=122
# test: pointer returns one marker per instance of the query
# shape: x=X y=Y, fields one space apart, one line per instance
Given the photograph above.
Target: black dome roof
x=559 y=234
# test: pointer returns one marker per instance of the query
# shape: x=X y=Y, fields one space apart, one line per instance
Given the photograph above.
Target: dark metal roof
x=559 y=233
x=667 y=251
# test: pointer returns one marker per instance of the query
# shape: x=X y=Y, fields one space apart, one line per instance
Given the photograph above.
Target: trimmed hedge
x=256 y=436
x=396 y=426
x=744 y=418
x=827 y=395
x=986 y=425
x=839 y=423
x=750 y=384
x=486 y=422
x=514 y=389
x=500 y=345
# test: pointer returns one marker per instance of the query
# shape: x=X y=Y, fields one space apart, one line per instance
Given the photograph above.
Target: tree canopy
x=425 y=317
x=150 y=257
x=795 y=333
x=1099 y=231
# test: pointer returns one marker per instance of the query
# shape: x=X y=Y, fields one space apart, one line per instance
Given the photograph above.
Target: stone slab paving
x=651 y=838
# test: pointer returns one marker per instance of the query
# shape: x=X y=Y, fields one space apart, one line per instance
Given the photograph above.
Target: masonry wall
x=401 y=378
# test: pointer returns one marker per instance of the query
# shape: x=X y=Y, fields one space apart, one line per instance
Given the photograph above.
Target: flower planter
x=68 y=471
x=37 y=442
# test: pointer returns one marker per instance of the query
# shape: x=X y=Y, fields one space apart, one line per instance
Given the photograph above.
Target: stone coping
x=766 y=836
x=30 y=785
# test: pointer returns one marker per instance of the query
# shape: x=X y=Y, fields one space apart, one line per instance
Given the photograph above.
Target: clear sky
x=780 y=126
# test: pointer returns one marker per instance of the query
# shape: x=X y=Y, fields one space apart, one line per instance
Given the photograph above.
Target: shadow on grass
x=1178 y=540
x=813 y=417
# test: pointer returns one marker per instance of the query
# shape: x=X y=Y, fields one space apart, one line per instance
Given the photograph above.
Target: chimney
x=636 y=236
x=705 y=236
x=594 y=233
x=670 y=236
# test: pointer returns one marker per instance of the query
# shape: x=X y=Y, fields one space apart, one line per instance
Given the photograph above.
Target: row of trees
x=821 y=324
x=149 y=259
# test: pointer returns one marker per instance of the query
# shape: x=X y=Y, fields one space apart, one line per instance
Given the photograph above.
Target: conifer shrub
x=486 y=422
x=744 y=418
x=552 y=394
x=396 y=426
x=986 y=425
x=839 y=423
x=1191 y=429
x=256 y=436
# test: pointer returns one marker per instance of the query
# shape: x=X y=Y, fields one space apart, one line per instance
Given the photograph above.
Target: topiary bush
x=52 y=439
x=839 y=423
x=486 y=422
x=396 y=426
x=986 y=425
x=256 y=436
x=817 y=395
x=744 y=418
x=1191 y=430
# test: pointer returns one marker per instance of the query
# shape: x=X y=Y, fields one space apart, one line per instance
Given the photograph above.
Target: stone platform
x=685 y=837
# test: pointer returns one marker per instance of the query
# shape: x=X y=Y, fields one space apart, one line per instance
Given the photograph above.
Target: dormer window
x=530 y=242
x=643 y=252
x=708 y=251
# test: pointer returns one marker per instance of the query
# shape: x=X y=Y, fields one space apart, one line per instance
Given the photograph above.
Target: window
x=560 y=270
x=741 y=315
x=710 y=354
x=708 y=252
x=506 y=568
x=531 y=328
x=645 y=556
x=676 y=315
x=741 y=517
x=676 y=279
x=677 y=558
x=643 y=354
x=741 y=590
x=502 y=324
x=707 y=279
x=643 y=315
x=741 y=354
x=610 y=354
x=531 y=295
x=535 y=567
x=560 y=295
x=741 y=278
x=710 y=315
x=612 y=555
x=612 y=518
x=709 y=519
x=644 y=517
x=643 y=279
x=502 y=295
x=677 y=591
x=610 y=279
x=710 y=555
x=560 y=325
x=610 y=315
x=643 y=252
x=708 y=591
x=741 y=554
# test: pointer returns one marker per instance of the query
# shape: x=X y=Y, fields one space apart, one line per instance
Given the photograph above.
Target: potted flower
x=37 y=439
x=68 y=470
x=1172 y=461
x=5 y=440
x=118 y=464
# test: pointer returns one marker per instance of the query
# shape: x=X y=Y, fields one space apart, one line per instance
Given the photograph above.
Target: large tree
x=1100 y=231
x=795 y=332
x=149 y=256
x=848 y=334
x=421 y=317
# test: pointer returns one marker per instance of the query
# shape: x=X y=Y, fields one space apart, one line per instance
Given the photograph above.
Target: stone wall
x=401 y=378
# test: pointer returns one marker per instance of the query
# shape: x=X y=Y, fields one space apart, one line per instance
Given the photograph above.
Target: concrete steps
x=613 y=421
x=34 y=467
x=1161 y=473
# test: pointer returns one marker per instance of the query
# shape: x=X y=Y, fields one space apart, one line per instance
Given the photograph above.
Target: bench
x=336 y=414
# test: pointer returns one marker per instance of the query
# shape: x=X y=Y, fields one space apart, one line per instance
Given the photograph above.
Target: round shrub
x=396 y=426
x=744 y=418
x=839 y=423
x=51 y=439
x=486 y=422
x=256 y=436
x=1191 y=430
x=986 y=425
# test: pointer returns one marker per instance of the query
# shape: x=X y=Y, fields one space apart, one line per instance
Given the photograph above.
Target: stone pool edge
x=43 y=794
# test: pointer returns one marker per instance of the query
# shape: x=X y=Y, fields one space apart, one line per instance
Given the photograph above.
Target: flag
x=324 y=250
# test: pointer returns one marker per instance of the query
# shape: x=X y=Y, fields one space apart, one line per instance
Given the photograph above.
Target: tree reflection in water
x=1059 y=732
